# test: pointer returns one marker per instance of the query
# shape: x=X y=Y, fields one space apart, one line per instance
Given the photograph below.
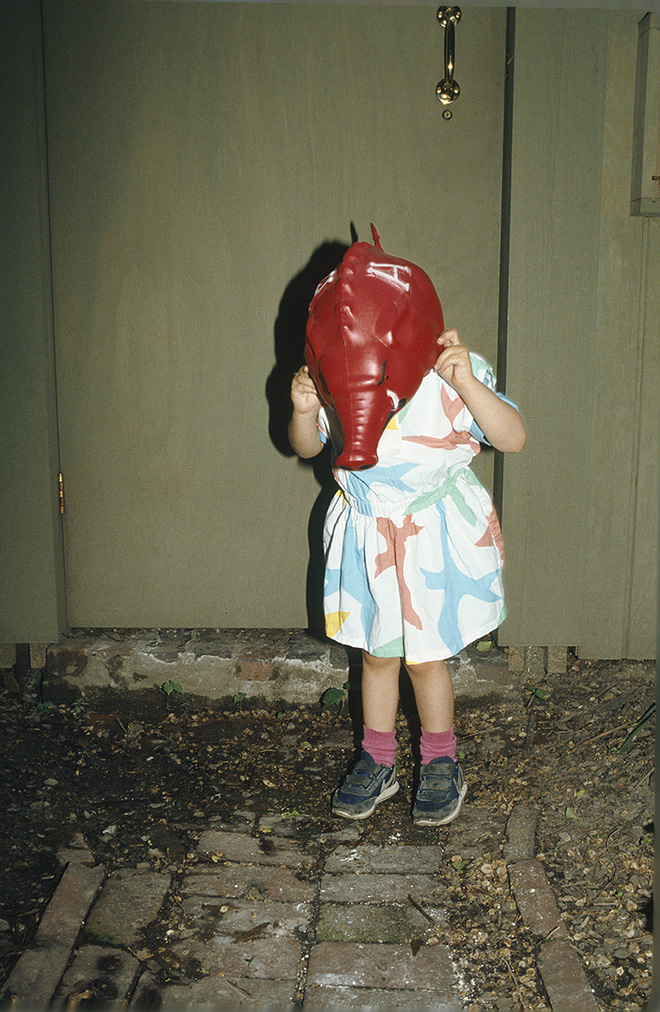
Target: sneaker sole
x=449 y=818
x=387 y=793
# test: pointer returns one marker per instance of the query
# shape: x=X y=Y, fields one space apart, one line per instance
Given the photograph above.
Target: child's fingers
x=303 y=390
x=455 y=352
x=450 y=356
x=306 y=385
x=303 y=379
x=449 y=337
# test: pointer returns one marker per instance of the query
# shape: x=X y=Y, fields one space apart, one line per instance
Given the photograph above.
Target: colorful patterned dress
x=413 y=548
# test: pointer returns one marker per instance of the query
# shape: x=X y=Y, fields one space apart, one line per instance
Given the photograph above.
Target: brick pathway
x=328 y=923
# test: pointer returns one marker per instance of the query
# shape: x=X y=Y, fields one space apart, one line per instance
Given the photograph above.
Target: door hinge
x=60 y=492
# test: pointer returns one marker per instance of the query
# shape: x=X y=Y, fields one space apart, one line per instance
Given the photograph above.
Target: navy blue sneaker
x=365 y=787
x=440 y=792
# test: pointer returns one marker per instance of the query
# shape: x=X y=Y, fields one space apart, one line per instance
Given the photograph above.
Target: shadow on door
x=289 y=333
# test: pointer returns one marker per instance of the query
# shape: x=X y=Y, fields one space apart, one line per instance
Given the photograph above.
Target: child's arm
x=500 y=423
x=303 y=431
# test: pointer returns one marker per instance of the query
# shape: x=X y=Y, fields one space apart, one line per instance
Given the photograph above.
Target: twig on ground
x=237 y=987
x=515 y=982
x=245 y=936
x=421 y=909
x=603 y=734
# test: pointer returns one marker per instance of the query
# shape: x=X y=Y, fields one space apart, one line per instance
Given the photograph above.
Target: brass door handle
x=448 y=90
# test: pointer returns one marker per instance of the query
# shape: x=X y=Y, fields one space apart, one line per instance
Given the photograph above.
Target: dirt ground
x=141 y=791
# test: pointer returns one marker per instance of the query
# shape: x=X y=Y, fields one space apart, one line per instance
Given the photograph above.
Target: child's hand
x=303 y=433
x=453 y=362
x=303 y=392
x=500 y=422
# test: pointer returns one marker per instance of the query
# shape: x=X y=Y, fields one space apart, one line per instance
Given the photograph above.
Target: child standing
x=414 y=559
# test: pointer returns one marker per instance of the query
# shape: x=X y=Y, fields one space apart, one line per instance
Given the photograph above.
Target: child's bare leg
x=441 y=788
x=380 y=691
x=373 y=778
x=434 y=694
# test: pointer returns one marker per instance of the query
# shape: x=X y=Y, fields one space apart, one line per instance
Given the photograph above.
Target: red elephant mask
x=372 y=336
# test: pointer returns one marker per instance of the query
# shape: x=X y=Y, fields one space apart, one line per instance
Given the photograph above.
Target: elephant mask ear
x=372 y=336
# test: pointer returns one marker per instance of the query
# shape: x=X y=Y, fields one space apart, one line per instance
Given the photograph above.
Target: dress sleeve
x=323 y=426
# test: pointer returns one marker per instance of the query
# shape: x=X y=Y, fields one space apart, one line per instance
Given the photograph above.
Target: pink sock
x=434 y=744
x=381 y=746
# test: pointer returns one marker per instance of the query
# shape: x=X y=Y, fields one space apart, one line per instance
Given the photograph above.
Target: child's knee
x=381 y=665
x=427 y=669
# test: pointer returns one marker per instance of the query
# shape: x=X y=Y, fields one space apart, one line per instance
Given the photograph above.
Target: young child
x=414 y=561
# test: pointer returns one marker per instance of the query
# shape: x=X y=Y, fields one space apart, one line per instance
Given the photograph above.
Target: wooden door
x=206 y=162
x=580 y=506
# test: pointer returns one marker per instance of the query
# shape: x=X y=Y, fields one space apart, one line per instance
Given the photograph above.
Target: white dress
x=413 y=548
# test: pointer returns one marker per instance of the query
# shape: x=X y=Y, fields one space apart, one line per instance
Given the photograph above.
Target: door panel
x=199 y=155
x=31 y=560
x=580 y=503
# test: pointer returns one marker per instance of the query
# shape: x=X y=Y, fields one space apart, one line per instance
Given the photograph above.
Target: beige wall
x=199 y=155
x=177 y=263
x=31 y=561
x=580 y=503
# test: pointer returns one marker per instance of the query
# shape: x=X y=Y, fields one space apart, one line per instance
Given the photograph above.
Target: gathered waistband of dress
x=404 y=507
